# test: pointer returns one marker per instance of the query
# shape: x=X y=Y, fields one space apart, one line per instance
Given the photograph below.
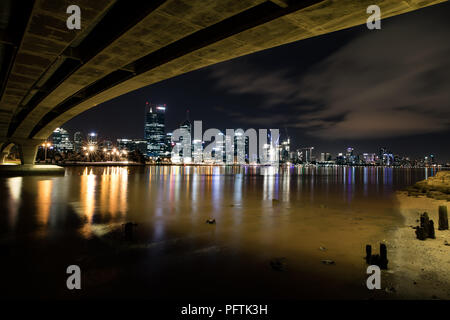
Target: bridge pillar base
x=3 y=156
x=28 y=151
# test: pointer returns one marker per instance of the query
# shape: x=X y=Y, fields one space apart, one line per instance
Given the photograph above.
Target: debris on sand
x=211 y=221
x=278 y=264
x=327 y=261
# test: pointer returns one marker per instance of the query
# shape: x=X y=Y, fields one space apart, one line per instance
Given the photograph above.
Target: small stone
x=329 y=262
x=211 y=221
x=278 y=264
x=322 y=249
x=390 y=290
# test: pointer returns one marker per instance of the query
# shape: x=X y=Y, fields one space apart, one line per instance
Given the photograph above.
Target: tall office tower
x=240 y=147
x=284 y=148
x=61 y=140
x=307 y=154
x=168 y=145
x=369 y=158
x=197 y=153
x=186 y=125
x=349 y=156
x=386 y=158
x=154 y=130
x=77 y=141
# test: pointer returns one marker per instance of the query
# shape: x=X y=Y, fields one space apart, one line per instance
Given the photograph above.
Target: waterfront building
x=131 y=145
x=61 y=140
x=325 y=157
x=369 y=158
x=306 y=154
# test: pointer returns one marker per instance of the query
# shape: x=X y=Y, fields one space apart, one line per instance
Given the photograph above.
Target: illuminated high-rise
x=154 y=130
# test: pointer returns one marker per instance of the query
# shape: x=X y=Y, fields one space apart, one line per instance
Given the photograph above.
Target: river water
x=301 y=215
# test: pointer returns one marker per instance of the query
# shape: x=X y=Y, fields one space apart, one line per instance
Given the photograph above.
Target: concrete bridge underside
x=50 y=74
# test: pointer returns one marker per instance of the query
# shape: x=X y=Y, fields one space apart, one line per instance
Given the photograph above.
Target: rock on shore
x=437 y=187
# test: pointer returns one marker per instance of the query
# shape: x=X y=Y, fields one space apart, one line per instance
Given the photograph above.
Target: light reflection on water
x=106 y=196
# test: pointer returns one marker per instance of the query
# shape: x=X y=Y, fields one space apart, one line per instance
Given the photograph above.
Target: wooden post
x=425 y=224
x=383 y=256
x=443 y=218
x=431 y=230
x=368 y=253
x=420 y=233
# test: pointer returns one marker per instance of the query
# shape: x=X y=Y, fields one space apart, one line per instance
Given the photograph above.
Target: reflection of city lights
x=91 y=148
x=84 y=148
x=86 y=154
x=104 y=149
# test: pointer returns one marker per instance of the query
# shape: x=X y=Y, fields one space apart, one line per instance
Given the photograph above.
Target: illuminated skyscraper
x=61 y=140
x=77 y=141
x=154 y=130
x=186 y=125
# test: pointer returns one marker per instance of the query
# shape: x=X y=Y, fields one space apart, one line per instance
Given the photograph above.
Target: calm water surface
x=48 y=223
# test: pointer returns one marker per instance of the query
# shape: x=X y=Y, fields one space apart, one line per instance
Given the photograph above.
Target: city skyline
x=157 y=144
x=268 y=94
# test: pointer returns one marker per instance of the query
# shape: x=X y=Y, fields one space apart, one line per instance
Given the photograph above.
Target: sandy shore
x=418 y=269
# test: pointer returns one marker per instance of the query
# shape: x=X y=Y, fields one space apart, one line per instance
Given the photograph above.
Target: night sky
x=358 y=87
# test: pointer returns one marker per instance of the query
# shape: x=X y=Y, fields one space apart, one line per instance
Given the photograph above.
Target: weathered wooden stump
x=425 y=223
x=443 y=218
x=420 y=233
x=380 y=260
x=368 y=253
x=431 y=230
x=383 y=256
x=426 y=229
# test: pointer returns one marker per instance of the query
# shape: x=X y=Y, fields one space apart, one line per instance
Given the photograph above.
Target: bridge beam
x=281 y=3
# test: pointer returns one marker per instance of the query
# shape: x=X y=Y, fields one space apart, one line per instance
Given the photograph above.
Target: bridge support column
x=3 y=156
x=28 y=151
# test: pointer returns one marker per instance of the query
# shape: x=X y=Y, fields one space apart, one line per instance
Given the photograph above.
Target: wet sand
x=419 y=269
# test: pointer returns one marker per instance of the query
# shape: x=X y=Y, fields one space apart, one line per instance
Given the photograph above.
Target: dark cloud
x=385 y=83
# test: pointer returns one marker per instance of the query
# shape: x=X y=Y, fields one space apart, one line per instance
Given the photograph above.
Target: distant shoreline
x=121 y=163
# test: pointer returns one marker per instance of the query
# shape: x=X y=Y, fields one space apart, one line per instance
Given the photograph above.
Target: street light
x=46 y=145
